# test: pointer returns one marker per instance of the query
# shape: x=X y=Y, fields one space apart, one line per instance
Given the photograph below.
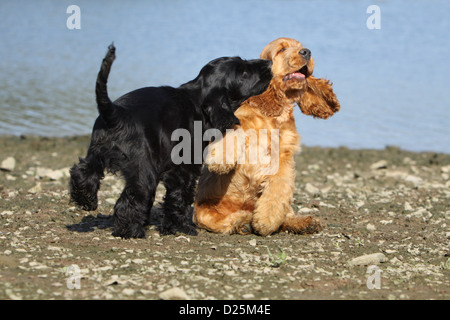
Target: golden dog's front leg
x=224 y=154
x=275 y=201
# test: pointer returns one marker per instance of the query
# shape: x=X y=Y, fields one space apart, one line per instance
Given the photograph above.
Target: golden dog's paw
x=216 y=162
x=302 y=225
x=264 y=229
x=220 y=168
x=312 y=225
x=269 y=216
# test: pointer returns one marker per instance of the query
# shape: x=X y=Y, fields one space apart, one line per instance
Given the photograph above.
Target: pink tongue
x=298 y=75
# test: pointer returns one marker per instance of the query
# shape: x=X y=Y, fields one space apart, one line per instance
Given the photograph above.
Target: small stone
x=409 y=161
x=447 y=215
x=183 y=238
x=420 y=213
x=38 y=266
x=382 y=164
x=359 y=204
x=171 y=269
x=12 y=295
x=56 y=284
x=252 y=242
x=138 y=261
x=416 y=181
x=128 y=292
x=57 y=174
x=368 y=259
x=110 y=200
x=305 y=210
x=371 y=227
x=174 y=294
x=105 y=268
x=52 y=248
x=408 y=207
x=52 y=174
x=113 y=280
x=248 y=296
x=8 y=164
x=311 y=189
x=37 y=188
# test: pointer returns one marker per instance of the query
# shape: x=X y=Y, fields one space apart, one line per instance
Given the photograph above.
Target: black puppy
x=133 y=135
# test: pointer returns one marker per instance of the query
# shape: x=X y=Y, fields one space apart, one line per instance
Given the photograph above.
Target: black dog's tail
x=104 y=104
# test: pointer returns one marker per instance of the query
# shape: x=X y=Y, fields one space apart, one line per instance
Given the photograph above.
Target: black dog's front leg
x=180 y=191
x=85 y=180
x=132 y=210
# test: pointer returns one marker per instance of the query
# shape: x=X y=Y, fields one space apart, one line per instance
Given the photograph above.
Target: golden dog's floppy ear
x=319 y=99
x=271 y=50
x=266 y=54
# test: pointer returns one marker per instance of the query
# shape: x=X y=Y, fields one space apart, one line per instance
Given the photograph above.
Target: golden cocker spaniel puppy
x=248 y=183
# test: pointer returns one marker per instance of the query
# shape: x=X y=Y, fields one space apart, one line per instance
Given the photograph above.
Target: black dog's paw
x=227 y=122
x=222 y=118
x=90 y=205
x=87 y=202
x=189 y=230
x=170 y=228
x=134 y=231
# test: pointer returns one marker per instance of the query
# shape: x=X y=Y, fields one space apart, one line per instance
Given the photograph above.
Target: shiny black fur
x=132 y=135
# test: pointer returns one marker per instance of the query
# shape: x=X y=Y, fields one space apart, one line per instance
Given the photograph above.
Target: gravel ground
x=389 y=204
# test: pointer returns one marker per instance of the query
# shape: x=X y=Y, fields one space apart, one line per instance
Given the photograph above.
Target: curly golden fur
x=237 y=196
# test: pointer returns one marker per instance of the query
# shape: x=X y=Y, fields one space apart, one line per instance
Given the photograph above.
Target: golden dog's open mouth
x=299 y=75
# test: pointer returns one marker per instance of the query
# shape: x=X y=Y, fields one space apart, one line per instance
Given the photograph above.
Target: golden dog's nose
x=305 y=53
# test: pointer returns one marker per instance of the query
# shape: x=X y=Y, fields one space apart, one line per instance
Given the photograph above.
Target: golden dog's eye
x=281 y=50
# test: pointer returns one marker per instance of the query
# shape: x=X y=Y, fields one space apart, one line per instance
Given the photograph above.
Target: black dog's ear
x=219 y=115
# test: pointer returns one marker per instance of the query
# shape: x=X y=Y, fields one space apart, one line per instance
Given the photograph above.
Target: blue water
x=392 y=82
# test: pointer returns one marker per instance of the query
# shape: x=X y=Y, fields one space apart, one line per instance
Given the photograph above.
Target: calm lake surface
x=392 y=82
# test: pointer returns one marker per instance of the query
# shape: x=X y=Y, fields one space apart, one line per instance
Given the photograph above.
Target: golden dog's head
x=292 y=71
x=292 y=63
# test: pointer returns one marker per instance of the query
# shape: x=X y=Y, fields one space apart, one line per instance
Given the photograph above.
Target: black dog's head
x=227 y=82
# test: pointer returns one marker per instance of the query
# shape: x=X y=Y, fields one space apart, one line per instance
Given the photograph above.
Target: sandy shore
x=387 y=202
